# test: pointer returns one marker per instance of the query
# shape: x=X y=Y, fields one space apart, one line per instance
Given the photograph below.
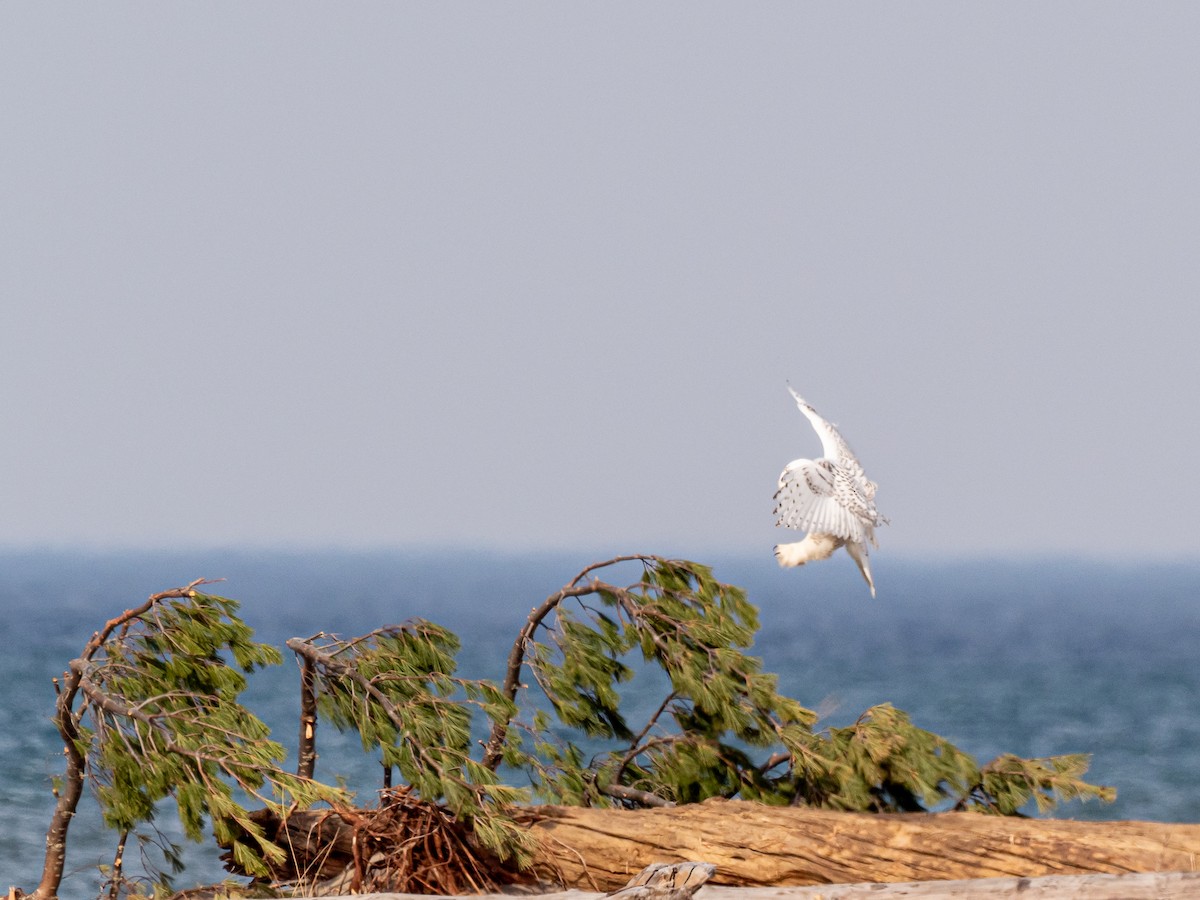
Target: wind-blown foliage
x=722 y=729
x=396 y=687
x=718 y=703
x=150 y=711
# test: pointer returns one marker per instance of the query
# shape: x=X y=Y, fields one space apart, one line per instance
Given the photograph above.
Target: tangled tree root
x=404 y=845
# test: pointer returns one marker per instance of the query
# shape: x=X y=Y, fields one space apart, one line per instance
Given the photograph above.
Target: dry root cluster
x=404 y=845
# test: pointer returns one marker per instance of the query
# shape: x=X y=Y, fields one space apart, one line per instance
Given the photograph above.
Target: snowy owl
x=831 y=498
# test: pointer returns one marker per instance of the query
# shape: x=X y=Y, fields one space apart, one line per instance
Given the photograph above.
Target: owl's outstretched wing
x=818 y=496
x=833 y=445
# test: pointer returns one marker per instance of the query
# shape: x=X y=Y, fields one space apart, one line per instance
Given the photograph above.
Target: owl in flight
x=831 y=498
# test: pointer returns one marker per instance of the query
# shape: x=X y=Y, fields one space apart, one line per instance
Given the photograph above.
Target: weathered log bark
x=754 y=845
x=758 y=846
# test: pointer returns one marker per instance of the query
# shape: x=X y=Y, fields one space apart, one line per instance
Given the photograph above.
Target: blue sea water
x=1034 y=657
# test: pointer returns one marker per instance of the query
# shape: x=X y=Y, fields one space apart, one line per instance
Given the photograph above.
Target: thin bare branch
x=644 y=798
x=117 y=877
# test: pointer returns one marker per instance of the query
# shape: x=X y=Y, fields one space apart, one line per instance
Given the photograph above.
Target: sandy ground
x=1151 y=886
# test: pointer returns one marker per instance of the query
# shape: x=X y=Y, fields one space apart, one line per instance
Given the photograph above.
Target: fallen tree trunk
x=755 y=845
x=750 y=845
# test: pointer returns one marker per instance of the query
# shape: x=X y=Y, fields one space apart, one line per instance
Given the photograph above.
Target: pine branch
x=394 y=688
x=232 y=764
x=328 y=661
x=494 y=748
x=67 y=720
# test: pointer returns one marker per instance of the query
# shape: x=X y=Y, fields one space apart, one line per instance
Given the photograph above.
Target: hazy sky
x=534 y=275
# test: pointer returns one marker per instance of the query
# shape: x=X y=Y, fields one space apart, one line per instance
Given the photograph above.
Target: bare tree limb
x=307 y=752
x=645 y=798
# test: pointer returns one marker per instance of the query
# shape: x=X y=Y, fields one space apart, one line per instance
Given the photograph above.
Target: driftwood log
x=748 y=844
x=757 y=846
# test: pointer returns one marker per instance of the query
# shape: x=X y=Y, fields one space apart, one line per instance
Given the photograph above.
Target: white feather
x=831 y=498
